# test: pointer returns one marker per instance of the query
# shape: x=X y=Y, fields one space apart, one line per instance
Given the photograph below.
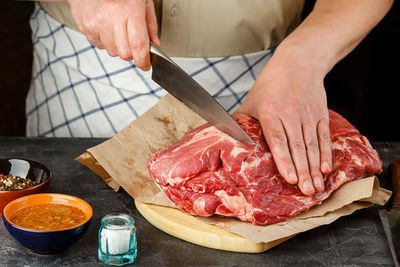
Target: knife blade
x=390 y=218
x=182 y=86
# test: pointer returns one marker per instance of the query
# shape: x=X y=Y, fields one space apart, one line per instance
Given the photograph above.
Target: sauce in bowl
x=48 y=217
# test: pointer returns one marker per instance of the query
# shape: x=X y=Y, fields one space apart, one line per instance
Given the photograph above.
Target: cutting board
x=184 y=226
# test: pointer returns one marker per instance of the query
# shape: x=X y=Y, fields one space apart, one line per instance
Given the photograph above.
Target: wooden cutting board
x=184 y=226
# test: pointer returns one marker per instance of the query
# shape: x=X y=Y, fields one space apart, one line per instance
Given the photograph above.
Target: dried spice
x=11 y=183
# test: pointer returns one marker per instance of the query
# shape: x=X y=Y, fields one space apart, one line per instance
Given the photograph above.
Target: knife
x=391 y=217
x=182 y=86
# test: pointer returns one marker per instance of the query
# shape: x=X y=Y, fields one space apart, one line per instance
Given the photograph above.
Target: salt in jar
x=117 y=239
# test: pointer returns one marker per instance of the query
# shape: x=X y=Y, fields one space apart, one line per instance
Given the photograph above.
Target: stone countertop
x=354 y=240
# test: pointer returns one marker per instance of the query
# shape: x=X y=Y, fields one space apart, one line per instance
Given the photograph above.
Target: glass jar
x=117 y=239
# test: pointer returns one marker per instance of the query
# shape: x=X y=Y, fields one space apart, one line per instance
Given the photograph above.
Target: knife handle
x=394 y=170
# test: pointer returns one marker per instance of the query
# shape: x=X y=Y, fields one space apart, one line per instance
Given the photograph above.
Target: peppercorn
x=11 y=183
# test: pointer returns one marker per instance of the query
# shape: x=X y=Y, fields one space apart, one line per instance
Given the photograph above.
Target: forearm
x=332 y=30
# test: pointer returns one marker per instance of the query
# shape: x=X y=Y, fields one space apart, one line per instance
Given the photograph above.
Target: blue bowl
x=46 y=242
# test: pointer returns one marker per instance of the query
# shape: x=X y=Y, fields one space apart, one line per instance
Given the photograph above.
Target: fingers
x=325 y=145
x=313 y=154
x=152 y=26
x=107 y=39
x=276 y=138
x=95 y=40
x=121 y=40
x=86 y=26
x=132 y=36
x=139 y=39
x=300 y=151
x=297 y=147
x=123 y=28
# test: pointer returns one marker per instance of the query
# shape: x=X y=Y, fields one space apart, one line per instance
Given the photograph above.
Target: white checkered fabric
x=78 y=90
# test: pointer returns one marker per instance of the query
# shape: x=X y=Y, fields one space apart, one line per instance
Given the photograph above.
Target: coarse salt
x=118 y=240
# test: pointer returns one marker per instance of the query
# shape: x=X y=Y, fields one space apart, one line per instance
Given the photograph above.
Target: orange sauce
x=48 y=217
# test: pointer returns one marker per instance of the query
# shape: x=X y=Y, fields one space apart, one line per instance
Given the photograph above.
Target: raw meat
x=208 y=172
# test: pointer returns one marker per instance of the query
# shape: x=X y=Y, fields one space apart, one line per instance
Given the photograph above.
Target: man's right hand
x=124 y=27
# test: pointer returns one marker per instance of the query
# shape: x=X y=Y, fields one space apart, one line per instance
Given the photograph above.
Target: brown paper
x=124 y=156
x=349 y=198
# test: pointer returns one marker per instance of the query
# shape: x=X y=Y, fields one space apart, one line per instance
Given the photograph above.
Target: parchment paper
x=121 y=162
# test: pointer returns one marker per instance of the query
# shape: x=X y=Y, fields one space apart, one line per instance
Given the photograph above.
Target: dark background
x=362 y=87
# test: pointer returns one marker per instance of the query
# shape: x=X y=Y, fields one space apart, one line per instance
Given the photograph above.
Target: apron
x=78 y=90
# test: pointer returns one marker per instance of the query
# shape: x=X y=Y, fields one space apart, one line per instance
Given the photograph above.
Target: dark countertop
x=354 y=240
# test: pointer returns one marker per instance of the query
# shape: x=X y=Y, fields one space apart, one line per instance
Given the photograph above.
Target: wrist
x=304 y=58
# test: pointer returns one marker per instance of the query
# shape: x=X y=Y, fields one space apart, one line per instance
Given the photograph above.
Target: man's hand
x=124 y=27
x=289 y=100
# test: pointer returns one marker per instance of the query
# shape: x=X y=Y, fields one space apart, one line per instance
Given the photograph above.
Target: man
x=287 y=97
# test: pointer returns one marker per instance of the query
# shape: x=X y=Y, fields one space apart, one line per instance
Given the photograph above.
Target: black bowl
x=24 y=168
